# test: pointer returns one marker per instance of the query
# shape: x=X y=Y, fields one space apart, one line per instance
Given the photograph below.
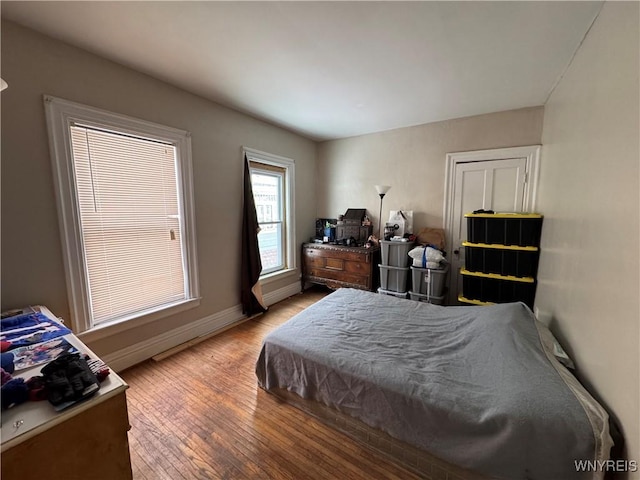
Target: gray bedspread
x=471 y=385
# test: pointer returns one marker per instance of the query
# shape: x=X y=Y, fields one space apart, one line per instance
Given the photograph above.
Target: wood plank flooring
x=199 y=414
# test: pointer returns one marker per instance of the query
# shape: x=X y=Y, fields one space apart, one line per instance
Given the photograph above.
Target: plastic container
x=521 y=229
x=418 y=297
x=392 y=294
x=429 y=281
x=393 y=279
x=496 y=289
x=396 y=253
x=502 y=260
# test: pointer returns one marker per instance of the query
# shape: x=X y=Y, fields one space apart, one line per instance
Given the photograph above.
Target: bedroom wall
x=412 y=161
x=589 y=267
x=32 y=268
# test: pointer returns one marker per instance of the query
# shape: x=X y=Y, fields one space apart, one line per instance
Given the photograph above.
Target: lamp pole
x=382 y=190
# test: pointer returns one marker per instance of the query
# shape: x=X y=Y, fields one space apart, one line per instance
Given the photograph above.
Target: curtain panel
x=250 y=289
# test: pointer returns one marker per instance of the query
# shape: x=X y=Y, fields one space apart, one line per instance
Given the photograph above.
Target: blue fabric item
x=7 y=362
x=14 y=392
x=34 y=328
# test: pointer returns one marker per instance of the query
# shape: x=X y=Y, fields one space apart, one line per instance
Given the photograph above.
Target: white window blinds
x=130 y=220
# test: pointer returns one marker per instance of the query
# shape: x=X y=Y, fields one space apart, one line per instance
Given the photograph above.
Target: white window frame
x=290 y=228
x=61 y=114
x=263 y=210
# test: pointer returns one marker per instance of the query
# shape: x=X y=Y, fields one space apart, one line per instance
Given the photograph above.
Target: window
x=268 y=184
x=125 y=202
x=272 y=180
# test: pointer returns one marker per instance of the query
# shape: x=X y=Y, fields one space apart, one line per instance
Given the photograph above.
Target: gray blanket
x=471 y=385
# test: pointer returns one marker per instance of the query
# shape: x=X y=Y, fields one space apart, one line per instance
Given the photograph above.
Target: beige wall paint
x=412 y=161
x=32 y=268
x=588 y=275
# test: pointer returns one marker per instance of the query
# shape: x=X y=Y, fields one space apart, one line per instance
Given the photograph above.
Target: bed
x=476 y=388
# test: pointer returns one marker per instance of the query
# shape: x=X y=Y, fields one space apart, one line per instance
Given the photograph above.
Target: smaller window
x=268 y=183
x=272 y=180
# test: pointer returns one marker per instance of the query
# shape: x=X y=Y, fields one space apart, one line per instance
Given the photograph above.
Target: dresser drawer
x=339 y=276
x=316 y=261
x=336 y=264
x=357 y=267
x=334 y=253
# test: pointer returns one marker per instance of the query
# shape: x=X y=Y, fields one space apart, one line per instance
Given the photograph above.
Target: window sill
x=272 y=277
x=113 y=327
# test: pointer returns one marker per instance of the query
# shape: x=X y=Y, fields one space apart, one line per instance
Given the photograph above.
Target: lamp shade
x=3 y=84
x=382 y=189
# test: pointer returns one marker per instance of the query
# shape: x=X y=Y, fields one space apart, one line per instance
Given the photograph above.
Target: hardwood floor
x=199 y=414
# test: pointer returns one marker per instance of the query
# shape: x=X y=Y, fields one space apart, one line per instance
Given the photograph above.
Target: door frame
x=530 y=152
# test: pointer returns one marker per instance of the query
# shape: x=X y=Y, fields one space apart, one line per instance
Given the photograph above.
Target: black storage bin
x=496 y=290
x=515 y=261
x=466 y=301
x=522 y=229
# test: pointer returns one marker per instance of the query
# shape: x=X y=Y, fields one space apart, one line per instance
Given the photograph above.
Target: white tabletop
x=28 y=419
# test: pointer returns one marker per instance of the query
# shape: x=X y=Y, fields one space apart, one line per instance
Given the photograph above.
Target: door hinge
x=525 y=178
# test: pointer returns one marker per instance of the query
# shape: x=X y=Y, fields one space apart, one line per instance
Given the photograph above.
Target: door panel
x=507 y=189
x=470 y=194
x=490 y=185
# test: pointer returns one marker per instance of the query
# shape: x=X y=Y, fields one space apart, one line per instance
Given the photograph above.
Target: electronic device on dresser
x=355 y=225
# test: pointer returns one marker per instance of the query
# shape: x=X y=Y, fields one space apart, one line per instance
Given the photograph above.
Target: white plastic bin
x=429 y=280
x=396 y=253
x=418 y=297
x=392 y=294
x=393 y=279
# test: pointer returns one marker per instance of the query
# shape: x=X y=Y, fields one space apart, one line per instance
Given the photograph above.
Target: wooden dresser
x=337 y=266
x=85 y=441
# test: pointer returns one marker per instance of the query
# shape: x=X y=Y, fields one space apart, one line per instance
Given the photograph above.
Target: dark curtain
x=251 y=291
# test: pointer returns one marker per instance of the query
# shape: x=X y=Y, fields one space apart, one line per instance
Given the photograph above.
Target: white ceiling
x=333 y=69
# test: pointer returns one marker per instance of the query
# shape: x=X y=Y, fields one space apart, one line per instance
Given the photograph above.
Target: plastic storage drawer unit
x=501 y=259
x=393 y=278
x=489 y=287
x=396 y=253
x=429 y=281
x=521 y=229
x=426 y=298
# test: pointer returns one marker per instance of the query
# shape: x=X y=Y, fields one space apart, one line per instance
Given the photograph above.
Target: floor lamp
x=382 y=190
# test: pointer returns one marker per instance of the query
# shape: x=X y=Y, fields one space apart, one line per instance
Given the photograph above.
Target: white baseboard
x=282 y=293
x=129 y=356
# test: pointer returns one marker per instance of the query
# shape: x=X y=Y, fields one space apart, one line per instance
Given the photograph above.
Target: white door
x=497 y=185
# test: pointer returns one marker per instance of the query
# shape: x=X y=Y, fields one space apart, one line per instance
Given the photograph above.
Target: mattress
x=476 y=386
